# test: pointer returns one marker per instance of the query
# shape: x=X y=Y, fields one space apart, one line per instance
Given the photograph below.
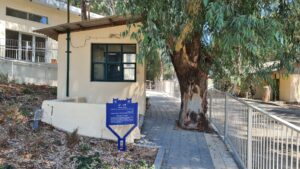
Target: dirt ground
x=47 y=147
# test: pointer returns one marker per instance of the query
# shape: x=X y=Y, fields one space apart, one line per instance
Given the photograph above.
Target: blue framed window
x=113 y=62
x=26 y=15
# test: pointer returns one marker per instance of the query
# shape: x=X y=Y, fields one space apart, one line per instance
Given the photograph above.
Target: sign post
x=121 y=112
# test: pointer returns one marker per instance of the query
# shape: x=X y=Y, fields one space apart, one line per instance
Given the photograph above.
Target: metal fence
x=258 y=139
x=26 y=51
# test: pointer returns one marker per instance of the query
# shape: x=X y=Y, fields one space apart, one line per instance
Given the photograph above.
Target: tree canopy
x=221 y=38
x=237 y=37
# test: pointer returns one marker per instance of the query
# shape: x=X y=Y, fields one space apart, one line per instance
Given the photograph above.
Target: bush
x=27 y=91
x=26 y=113
x=53 y=91
x=87 y=162
x=84 y=147
x=6 y=166
x=4 y=78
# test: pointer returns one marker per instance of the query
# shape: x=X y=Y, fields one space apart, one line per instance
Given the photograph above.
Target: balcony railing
x=26 y=51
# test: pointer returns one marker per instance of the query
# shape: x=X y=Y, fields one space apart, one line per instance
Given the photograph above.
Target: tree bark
x=83 y=10
x=192 y=79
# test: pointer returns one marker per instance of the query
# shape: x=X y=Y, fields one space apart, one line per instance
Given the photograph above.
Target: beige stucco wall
x=80 y=69
x=295 y=88
x=284 y=88
x=289 y=88
x=55 y=17
x=290 y=85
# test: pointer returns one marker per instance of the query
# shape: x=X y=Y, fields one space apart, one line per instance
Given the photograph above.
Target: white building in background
x=18 y=19
x=26 y=56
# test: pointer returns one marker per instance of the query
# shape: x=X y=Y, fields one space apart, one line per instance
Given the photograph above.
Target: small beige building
x=287 y=86
x=102 y=66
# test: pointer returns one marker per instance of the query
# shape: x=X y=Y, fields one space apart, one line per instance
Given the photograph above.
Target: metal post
x=19 y=46
x=68 y=51
x=12 y=70
x=68 y=63
x=3 y=46
x=249 y=133
x=26 y=51
x=226 y=119
x=210 y=106
x=33 y=49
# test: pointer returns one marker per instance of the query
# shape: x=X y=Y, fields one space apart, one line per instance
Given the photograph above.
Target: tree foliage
x=153 y=69
x=103 y=7
x=223 y=38
x=158 y=66
x=237 y=37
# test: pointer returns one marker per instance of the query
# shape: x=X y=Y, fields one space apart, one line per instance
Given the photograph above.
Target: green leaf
x=205 y=2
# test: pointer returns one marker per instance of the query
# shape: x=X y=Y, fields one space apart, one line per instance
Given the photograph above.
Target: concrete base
x=89 y=119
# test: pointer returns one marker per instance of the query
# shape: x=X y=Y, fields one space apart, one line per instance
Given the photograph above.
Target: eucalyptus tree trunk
x=190 y=65
x=84 y=16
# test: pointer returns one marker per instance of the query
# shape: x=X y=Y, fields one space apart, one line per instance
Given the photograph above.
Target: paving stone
x=183 y=149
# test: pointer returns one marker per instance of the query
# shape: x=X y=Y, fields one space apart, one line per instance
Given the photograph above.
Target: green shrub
x=88 y=162
x=27 y=91
x=84 y=147
x=26 y=113
x=4 y=78
x=13 y=81
x=53 y=91
x=6 y=166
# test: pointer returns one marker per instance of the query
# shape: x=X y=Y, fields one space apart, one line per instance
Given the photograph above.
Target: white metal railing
x=258 y=139
x=25 y=51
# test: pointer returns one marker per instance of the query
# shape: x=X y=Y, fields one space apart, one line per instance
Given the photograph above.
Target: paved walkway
x=183 y=149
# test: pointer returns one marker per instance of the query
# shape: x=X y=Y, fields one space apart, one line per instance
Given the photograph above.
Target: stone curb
x=159 y=156
x=280 y=104
x=260 y=101
x=141 y=121
x=235 y=158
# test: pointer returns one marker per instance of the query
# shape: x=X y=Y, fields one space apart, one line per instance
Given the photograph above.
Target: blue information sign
x=121 y=112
